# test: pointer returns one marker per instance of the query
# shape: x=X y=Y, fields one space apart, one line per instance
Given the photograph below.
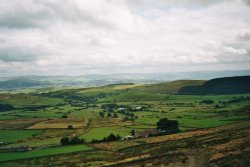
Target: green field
x=100 y=133
x=7 y=156
x=55 y=110
x=17 y=135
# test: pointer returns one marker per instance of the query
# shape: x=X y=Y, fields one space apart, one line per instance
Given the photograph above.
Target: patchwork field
x=88 y=116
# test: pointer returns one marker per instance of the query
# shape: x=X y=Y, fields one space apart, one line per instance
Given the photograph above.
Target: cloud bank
x=73 y=37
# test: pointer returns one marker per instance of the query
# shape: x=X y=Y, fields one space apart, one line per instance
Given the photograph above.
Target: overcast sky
x=76 y=37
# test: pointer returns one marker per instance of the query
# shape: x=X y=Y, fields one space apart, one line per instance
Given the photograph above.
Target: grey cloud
x=74 y=36
x=41 y=14
x=13 y=54
x=23 y=14
x=177 y=3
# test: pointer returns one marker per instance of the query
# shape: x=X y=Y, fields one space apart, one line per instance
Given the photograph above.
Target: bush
x=65 y=141
x=74 y=140
x=6 y=107
x=168 y=125
x=101 y=114
x=70 y=127
x=110 y=137
x=207 y=101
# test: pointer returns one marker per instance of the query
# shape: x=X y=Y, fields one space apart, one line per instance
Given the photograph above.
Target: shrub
x=65 y=141
x=74 y=140
x=168 y=125
x=70 y=127
x=207 y=101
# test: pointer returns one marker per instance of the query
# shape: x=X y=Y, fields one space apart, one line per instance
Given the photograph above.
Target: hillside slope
x=167 y=87
x=228 y=85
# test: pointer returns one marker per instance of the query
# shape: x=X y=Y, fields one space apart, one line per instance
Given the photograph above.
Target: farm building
x=128 y=137
x=146 y=133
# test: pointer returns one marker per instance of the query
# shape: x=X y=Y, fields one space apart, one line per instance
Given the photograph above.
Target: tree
x=115 y=115
x=101 y=114
x=65 y=141
x=168 y=125
x=112 y=137
x=207 y=101
x=64 y=116
x=109 y=115
x=6 y=107
x=76 y=140
x=70 y=127
x=132 y=132
x=125 y=119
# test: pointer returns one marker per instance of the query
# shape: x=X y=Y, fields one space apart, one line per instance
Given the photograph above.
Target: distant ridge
x=227 y=85
x=26 y=82
x=172 y=87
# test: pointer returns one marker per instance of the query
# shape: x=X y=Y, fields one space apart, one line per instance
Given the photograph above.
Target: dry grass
x=61 y=123
x=19 y=123
x=101 y=122
x=167 y=138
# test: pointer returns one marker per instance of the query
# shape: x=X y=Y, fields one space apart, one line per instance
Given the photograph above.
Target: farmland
x=39 y=120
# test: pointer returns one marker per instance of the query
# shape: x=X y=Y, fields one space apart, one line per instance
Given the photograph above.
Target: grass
x=55 y=141
x=23 y=100
x=17 y=135
x=167 y=88
x=100 y=133
x=7 y=156
x=187 y=109
x=8 y=117
x=38 y=114
x=135 y=96
x=85 y=113
x=61 y=123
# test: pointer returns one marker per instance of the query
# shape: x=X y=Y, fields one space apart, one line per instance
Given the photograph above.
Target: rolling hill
x=167 y=87
x=228 y=85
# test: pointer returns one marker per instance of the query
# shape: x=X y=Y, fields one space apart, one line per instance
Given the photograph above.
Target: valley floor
x=214 y=129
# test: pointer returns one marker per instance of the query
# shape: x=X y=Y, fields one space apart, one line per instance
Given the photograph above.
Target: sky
x=77 y=37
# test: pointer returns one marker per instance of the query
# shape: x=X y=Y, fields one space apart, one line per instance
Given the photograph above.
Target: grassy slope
x=6 y=156
x=16 y=135
x=222 y=146
x=168 y=87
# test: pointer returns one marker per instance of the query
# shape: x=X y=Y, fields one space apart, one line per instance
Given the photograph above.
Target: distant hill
x=167 y=87
x=17 y=83
x=228 y=85
x=24 y=82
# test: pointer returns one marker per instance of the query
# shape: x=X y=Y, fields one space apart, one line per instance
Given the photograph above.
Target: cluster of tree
x=167 y=126
x=129 y=116
x=6 y=107
x=110 y=106
x=110 y=137
x=74 y=140
x=76 y=103
x=207 y=101
x=240 y=99
x=109 y=114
